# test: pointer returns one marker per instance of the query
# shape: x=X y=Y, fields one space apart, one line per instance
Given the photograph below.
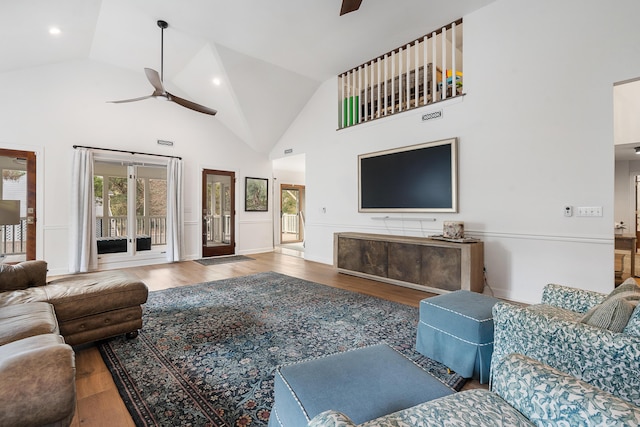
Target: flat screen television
x=417 y=178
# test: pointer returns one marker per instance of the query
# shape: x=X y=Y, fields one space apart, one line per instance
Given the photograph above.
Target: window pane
x=158 y=197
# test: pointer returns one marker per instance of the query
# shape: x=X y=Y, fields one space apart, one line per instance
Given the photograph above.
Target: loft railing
x=408 y=77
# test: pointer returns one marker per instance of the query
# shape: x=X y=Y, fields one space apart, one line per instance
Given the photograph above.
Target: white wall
x=536 y=134
x=49 y=109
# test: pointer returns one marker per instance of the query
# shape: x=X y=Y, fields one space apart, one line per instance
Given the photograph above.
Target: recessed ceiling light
x=54 y=31
x=217 y=81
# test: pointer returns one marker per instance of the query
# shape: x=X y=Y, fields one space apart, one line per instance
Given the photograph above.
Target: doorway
x=218 y=213
x=18 y=205
x=291 y=214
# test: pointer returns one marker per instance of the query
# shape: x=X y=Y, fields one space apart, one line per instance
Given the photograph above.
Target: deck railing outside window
x=14 y=238
x=408 y=77
x=152 y=226
x=290 y=223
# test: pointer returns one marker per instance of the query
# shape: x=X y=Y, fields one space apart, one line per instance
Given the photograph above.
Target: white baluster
x=373 y=86
x=433 y=67
x=400 y=88
x=342 y=103
x=358 y=91
x=378 y=74
x=443 y=34
x=425 y=51
x=365 y=92
x=454 y=86
x=408 y=83
x=393 y=82
x=416 y=77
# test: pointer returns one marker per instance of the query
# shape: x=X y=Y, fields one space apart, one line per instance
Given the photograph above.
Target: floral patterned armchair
x=524 y=393
x=557 y=333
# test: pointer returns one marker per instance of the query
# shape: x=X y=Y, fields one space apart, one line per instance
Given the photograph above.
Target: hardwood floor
x=98 y=401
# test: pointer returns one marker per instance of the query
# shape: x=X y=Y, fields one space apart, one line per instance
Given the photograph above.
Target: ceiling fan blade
x=130 y=100
x=154 y=79
x=350 y=6
x=191 y=105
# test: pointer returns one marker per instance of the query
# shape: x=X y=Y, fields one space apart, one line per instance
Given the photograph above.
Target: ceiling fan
x=350 y=6
x=156 y=81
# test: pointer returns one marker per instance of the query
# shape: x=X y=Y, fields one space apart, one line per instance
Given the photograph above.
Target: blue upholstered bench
x=364 y=384
x=456 y=329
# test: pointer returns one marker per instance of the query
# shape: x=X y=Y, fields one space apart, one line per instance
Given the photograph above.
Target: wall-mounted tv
x=417 y=178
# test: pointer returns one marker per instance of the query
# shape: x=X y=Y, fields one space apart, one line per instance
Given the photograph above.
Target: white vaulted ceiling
x=270 y=56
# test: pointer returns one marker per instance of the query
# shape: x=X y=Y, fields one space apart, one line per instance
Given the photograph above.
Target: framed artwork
x=256 y=195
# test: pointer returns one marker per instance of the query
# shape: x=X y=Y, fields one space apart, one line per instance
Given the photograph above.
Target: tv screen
x=418 y=178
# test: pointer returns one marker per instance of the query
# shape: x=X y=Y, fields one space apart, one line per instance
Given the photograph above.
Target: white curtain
x=175 y=202
x=83 y=246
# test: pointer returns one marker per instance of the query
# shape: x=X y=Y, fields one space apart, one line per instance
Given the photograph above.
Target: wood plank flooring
x=98 y=401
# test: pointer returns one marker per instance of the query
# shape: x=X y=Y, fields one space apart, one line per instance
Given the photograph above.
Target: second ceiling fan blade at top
x=350 y=6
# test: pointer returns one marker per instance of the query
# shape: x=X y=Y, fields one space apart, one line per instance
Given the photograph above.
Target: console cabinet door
x=441 y=268
x=405 y=262
x=364 y=256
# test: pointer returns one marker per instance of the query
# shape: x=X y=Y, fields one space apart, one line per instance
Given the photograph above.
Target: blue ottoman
x=456 y=329
x=364 y=384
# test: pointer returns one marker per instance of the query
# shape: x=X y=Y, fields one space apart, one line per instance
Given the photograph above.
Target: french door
x=130 y=206
x=18 y=205
x=218 y=213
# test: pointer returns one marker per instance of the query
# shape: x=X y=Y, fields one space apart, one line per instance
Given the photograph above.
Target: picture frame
x=256 y=194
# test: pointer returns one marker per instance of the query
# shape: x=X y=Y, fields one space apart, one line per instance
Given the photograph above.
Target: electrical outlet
x=568 y=211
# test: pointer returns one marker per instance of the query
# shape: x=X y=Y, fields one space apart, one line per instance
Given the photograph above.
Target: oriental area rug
x=207 y=353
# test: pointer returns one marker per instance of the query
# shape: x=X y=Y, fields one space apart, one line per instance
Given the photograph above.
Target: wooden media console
x=421 y=263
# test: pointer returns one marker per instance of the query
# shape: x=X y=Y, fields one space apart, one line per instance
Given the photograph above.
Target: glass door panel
x=218 y=213
x=17 y=206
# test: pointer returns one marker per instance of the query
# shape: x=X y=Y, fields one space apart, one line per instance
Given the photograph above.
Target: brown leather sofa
x=39 y=322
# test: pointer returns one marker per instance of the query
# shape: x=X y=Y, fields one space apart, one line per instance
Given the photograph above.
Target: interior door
x=291 y=213
x=18 y=240
x=218 y=213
